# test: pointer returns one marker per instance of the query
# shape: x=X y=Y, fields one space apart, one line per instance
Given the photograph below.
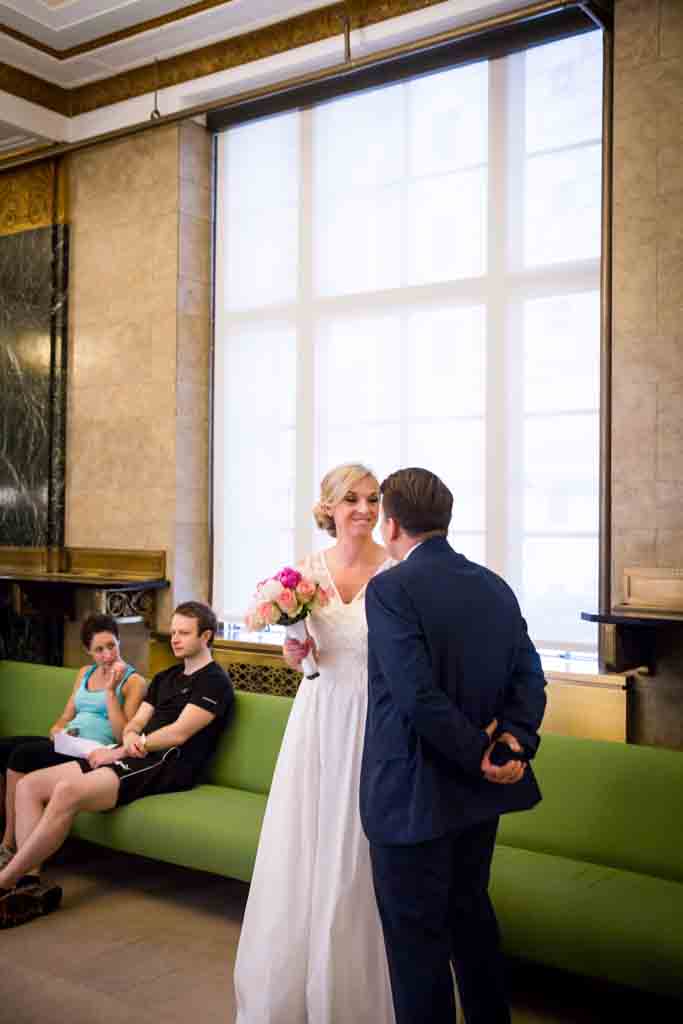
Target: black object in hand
x=501 y=753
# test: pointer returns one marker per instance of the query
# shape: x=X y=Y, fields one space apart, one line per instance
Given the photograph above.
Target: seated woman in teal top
x=105 y=696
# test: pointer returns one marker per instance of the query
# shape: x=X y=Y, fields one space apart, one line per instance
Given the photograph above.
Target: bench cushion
x=606 y=803
x=210 y=828
x=596 y=921
x=32 y=697
x=248 y=749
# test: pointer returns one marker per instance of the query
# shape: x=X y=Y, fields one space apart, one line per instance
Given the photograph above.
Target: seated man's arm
x=132 y=744
x=131 y=731
x=190 y=720
x=213 y=699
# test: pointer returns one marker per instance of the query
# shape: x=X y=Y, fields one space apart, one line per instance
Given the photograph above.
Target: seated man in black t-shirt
x=165 y=747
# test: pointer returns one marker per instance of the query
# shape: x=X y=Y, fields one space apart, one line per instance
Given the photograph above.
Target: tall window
x=409 y=276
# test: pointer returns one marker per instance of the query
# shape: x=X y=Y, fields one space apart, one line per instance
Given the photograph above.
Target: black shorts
x=29 y=754
x=149 y=776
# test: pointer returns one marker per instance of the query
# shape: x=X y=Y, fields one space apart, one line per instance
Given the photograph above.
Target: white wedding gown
x=311 y=949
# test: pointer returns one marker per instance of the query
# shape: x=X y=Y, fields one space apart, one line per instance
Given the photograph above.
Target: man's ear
x=393 y=529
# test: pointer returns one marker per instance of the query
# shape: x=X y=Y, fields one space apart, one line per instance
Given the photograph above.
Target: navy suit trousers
x=435 y=909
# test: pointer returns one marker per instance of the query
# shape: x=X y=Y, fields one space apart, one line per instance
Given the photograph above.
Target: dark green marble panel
x=33 y=290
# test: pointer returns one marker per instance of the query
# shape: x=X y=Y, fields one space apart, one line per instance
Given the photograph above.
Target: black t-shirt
x=208 y=688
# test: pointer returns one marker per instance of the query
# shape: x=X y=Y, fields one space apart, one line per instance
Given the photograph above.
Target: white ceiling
x=75 y=21
x=62 y=24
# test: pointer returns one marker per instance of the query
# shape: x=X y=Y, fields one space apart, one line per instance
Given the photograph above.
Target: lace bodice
x=340 y=630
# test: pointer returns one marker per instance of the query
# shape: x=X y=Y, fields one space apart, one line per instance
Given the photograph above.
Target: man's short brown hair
x=205 y=616
x=418 y=501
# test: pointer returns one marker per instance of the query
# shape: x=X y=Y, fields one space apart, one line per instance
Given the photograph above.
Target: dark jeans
x=435 y=908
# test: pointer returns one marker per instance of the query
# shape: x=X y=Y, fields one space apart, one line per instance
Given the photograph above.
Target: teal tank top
x=92 y=720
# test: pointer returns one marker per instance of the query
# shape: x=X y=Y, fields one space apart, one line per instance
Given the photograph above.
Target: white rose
x=270 y=590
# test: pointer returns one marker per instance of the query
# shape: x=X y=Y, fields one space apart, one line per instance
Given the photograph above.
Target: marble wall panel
x=33 y=314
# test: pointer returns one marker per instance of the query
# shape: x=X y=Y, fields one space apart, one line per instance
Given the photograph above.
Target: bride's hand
x=295 y=652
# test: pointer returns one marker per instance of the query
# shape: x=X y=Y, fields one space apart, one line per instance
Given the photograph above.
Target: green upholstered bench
x=590 y=881
x=213 y=827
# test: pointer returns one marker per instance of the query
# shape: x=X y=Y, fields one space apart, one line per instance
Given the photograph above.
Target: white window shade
x=409 y=276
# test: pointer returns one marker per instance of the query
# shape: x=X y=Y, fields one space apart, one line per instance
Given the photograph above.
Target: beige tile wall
x=137 y=445
x=192 y=364
x=648 y=285
x=647 y=448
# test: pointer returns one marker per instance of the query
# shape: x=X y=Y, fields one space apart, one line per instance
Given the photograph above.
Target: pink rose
x=269 y=612
x=322 y=597
x=305 y=590
x=253 y=623
x=289 y=578
x=288 y=602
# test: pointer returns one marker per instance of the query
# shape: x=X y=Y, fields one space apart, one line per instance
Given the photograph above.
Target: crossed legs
x=47 y=801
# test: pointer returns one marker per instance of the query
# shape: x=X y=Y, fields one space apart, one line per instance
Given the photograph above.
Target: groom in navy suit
x=456 y=697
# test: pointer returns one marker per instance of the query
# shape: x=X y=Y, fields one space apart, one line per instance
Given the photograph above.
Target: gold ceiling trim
x=35 y=90
x=312 y=27
x=303 y=30
x=31 y=197
x=189 y=11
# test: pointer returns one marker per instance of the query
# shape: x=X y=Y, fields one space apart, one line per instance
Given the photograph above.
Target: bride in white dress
x=311 y=949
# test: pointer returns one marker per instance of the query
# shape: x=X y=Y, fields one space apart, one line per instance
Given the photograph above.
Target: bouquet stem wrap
x=297 y=631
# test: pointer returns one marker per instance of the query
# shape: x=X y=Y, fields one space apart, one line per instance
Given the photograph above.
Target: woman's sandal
x=17 y=906
x=28 y=900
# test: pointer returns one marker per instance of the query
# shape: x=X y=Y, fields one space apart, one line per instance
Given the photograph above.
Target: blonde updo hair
x=333 y=487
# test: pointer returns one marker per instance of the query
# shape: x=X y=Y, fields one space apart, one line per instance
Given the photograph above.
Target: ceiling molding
x=199 y=7
x=35 y=90
x=312 y=27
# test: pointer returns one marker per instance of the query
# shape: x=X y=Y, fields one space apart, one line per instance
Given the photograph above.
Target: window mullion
x=496 y=385
x=305 y=377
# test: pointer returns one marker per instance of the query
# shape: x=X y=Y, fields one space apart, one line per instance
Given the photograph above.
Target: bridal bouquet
x=285 y=600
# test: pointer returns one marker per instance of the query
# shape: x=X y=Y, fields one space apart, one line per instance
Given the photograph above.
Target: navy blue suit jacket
x=448 y=652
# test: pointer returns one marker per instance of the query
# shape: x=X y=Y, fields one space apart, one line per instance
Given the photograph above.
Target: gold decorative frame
x=32 y=197
x=83 y=563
